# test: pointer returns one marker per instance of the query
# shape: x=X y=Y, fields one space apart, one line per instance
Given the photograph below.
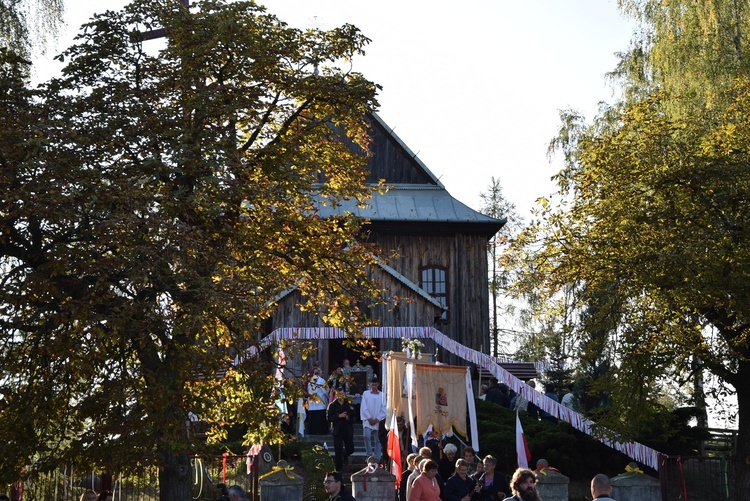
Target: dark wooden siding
x=401 y=306
x=464 y=257
x=459 y=247
x=288 y=315
x=392 y=162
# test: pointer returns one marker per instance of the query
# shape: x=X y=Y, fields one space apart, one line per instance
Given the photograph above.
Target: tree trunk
x=743 y=435
x=174 y=478
x=699 y=398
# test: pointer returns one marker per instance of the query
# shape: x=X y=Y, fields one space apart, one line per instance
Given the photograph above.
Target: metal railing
x=61 y=484
x=697 y=477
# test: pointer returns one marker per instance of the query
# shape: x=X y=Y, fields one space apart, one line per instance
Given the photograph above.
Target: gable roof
x=389 y=150
x=411 y=285
x=414 y=195
x=414 y=203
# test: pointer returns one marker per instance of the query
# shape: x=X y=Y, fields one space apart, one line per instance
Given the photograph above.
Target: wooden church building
x=439 y=277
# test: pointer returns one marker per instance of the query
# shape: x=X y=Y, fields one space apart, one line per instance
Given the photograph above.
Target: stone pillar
x=281 y=483
x=374 y=483
x=552 y=485
x=265 y=460
x=635 y=487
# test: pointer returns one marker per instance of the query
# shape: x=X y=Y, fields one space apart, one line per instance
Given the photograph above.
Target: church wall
x=465 y=258
x=400 y=307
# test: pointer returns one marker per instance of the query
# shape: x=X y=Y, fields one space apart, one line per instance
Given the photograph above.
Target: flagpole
x=522 y=448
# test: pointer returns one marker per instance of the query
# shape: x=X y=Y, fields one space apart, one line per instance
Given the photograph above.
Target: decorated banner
x=397 y=384
x=301 y=417
x=397 y=404
x=281 y=399
x=441 y=398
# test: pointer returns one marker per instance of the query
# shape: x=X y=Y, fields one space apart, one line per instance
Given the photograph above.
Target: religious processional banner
x=441 y=398
x=397 y=385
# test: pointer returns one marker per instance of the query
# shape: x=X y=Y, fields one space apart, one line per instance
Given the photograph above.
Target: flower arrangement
x=412 y=345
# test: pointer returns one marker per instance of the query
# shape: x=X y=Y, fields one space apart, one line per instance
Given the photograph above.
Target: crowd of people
x=332 y=409
x=432 y=473
x=422 y=481
x=436 y=472
x=501 y=395
x=369 y=408
x=448 y=478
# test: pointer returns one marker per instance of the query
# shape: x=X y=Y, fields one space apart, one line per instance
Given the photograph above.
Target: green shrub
x=573 y=453
x=315 y=462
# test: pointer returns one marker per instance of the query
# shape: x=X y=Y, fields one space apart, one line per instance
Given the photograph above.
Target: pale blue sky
x=473 y=89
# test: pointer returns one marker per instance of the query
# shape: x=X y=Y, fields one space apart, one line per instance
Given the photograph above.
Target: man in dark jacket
x=460 y=486
x=494 y=394
x=334 y=486
x=340 y=415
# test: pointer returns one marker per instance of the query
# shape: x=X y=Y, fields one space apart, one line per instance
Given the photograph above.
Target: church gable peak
x=393 y=161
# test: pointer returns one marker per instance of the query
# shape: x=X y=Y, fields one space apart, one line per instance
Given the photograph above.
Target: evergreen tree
x=495 y=205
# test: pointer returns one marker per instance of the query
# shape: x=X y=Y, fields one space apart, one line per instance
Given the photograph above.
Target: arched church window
x=434 y=281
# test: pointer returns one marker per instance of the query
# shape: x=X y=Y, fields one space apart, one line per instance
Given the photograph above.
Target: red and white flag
x=522 y=448
x=394 y=450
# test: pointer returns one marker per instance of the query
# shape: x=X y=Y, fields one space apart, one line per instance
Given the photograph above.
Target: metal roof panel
x=412 y=204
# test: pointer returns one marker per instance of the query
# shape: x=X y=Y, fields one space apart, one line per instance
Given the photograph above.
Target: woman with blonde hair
x=88 y=495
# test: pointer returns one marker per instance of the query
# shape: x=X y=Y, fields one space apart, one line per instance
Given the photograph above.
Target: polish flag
x=394 y=450
x=522 y=448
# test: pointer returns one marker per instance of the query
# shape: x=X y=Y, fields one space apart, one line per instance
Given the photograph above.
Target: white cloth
x=318 y=393
x=301 y=416
x=522 y=403
x=569 y=400
x=372 y=407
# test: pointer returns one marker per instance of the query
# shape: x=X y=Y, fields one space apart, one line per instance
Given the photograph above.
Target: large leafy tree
x=153 y=205
x=29 y=25
x=691 y=50
x=651 y=228
x=656 y=221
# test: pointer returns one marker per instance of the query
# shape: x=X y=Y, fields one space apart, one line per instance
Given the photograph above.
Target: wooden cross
x=161 y=32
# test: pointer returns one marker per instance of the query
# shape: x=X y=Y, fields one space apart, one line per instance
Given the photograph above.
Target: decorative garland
x=634 y=450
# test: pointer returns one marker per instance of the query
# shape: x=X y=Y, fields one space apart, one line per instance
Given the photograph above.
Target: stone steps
x=359 y=440
x=357 y=461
